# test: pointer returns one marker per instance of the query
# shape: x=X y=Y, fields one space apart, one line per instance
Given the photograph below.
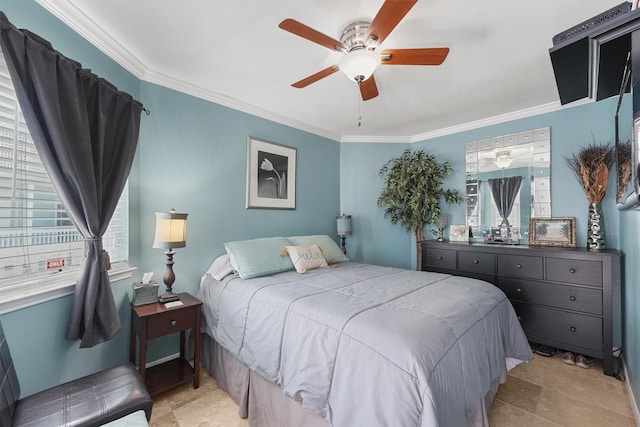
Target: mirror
x=628 y=149
x=508 y=181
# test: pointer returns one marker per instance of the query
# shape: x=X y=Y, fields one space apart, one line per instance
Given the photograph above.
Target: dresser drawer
x=560 y=326
x=583 y=272
x=170 y=322
x=440 y=258
x=477 y=262
x=587 y=300
x=520 y=266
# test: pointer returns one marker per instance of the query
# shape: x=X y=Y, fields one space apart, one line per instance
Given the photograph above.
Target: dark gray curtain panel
x=86 y=133
x=504 y=192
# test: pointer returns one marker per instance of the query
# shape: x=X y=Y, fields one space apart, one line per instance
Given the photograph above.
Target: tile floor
x=543 y=393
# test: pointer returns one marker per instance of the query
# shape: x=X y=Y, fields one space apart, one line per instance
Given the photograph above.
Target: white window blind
x=37 y=238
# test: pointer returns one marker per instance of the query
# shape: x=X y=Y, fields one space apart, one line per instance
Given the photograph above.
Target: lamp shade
x=171 y=230
x=344 y=225
x=358 y=65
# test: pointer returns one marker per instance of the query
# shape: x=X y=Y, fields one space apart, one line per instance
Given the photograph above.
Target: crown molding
x=208 y=95
x=89 y=30
x=502 y=118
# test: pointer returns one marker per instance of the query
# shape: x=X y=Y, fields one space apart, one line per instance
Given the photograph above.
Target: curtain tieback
x=105 y=259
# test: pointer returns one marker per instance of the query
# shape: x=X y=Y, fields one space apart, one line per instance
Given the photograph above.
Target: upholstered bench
x=92 y=400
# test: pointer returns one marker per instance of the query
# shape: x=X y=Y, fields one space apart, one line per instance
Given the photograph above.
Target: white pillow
x=221 y=268
x=306 y=258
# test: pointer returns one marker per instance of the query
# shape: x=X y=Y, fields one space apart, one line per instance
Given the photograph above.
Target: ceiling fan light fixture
x=503 y=159
x=359 y=64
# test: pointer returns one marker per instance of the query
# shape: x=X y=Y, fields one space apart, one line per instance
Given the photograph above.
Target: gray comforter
x=365 y=345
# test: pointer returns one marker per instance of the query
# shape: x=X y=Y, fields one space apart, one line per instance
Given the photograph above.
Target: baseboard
x=632 y=398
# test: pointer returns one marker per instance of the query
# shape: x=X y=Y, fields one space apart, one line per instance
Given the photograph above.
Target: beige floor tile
x=574 y=412
x=506 y=415
x=519 y=393
x=589 y=385
x=543 y=393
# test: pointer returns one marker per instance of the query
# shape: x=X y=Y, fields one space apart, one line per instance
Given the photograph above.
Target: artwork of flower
x=280 y=180
x=271 y=175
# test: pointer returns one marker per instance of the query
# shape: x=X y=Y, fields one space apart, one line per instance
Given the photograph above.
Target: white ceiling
x=233 y=53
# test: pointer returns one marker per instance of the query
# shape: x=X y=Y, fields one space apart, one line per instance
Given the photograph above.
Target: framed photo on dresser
x=552 y=232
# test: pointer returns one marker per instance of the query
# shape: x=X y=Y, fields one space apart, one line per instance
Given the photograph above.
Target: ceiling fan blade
x=389 y=15
x=315 y=77
x=368 y=89
x=310 y=34
x=426 y=56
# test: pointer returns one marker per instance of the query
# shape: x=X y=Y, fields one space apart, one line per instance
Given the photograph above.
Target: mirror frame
x=539 y=175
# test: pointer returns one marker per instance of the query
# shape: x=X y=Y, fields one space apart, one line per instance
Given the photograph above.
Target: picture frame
x=271 y=175
x=560 y=231
x=458 y=233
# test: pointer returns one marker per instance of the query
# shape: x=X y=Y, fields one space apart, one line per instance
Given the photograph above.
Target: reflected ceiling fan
x=359 y=41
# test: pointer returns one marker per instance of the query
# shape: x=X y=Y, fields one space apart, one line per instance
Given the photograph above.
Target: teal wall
x=376 y=240
x=192 y=157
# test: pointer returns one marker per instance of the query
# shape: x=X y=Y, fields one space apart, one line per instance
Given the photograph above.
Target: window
x=37 y=238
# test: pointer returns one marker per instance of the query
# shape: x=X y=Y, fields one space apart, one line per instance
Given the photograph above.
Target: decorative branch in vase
x=591 y=165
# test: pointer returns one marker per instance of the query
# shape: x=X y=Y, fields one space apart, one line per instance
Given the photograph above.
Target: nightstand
x=156 y=320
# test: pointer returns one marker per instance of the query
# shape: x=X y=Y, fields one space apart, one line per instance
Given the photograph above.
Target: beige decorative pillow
x=305 y=258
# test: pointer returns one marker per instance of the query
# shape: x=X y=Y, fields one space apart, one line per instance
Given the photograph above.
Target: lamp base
x=168 y=297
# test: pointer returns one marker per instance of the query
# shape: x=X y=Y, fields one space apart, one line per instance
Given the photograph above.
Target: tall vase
x=595 y=230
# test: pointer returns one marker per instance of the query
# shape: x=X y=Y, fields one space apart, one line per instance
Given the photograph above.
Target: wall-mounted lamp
x=171 y=233
x=344 y=229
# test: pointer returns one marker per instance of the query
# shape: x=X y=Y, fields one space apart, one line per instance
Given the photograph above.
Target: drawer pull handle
x=518 y=290
x=440 y=258
x=518 y=266
x=572 y=329
x=174 y=323
x=475 y=261
x=572 y=270
x=572 y=298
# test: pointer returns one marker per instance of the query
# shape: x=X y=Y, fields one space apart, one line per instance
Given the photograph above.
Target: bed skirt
x=266 y=405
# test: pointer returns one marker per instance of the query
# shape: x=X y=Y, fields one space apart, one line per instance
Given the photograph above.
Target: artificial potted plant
x=591 y=166
x=413 y=190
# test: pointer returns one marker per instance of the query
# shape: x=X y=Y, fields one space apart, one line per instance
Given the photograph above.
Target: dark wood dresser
x=563 y=297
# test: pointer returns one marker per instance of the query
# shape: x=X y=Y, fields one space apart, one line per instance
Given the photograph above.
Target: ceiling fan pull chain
x=359 y=107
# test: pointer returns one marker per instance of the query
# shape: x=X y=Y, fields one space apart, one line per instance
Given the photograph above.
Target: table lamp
x=171 y=233
x=344 y=229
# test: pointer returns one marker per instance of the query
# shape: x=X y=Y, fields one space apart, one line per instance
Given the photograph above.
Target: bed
x=354 y=345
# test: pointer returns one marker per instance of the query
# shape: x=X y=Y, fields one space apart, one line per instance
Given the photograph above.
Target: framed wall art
x=271 y=175
x=458 y=233
x=552 y=232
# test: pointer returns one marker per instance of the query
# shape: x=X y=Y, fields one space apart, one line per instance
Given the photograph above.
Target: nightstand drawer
x=560 y=326
x=477 y=262
x=440 y=258
x=171 y=321
x=574 y=271
x=587 y=300
x=519 y=266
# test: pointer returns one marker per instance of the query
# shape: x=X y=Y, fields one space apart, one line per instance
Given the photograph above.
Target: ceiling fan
x=359 y=41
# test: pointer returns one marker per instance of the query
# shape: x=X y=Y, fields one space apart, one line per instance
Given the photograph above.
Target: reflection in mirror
x=628 y=150
x=507 y=182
